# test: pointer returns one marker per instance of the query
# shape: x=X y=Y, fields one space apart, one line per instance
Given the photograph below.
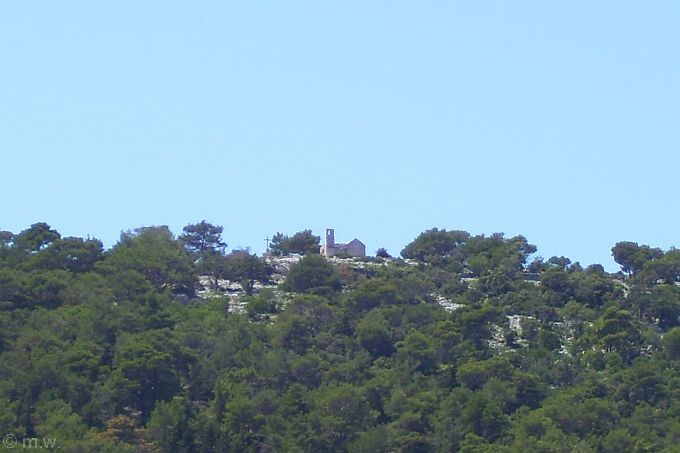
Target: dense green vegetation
x=466 y=345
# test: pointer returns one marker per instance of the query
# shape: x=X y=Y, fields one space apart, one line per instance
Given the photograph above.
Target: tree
x=533 y=431
x=302 y=242
x=374 y=334
x=263 y=303
x=340 y=412
x=154 y=253
x=304 y=319
x=203 y=238
x=666 y=267
x=671 y=343
x=382 y=253
x=313 y=274
x=617 y=332
x=664 y=305
x=146 y=368
x=71 y=253
x=561 y=262
x=204 y=241
x=632 y=257
x=433 y=243
x=169 y=425
x=241 y=266
x=213 y=265
x=37 y=237
x=474 y=374
x=417 y=352
x=373 y=293
x=6 y=238
x=279 y=245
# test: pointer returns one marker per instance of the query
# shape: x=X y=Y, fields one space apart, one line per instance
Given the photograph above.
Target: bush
x=313 y=274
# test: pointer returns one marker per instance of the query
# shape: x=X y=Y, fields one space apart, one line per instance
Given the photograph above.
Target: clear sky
x=557 y=120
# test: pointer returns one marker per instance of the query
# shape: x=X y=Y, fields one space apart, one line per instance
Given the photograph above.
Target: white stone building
x=354 y=248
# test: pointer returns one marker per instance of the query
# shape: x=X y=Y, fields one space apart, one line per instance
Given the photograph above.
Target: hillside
x=464 y=343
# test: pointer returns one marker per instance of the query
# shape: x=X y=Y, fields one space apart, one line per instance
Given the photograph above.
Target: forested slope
x=467 y=344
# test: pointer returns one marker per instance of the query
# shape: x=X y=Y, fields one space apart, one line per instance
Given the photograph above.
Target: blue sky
x=555 y=120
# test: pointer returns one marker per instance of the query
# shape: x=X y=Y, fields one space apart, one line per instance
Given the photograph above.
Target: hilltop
x=463 y=343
